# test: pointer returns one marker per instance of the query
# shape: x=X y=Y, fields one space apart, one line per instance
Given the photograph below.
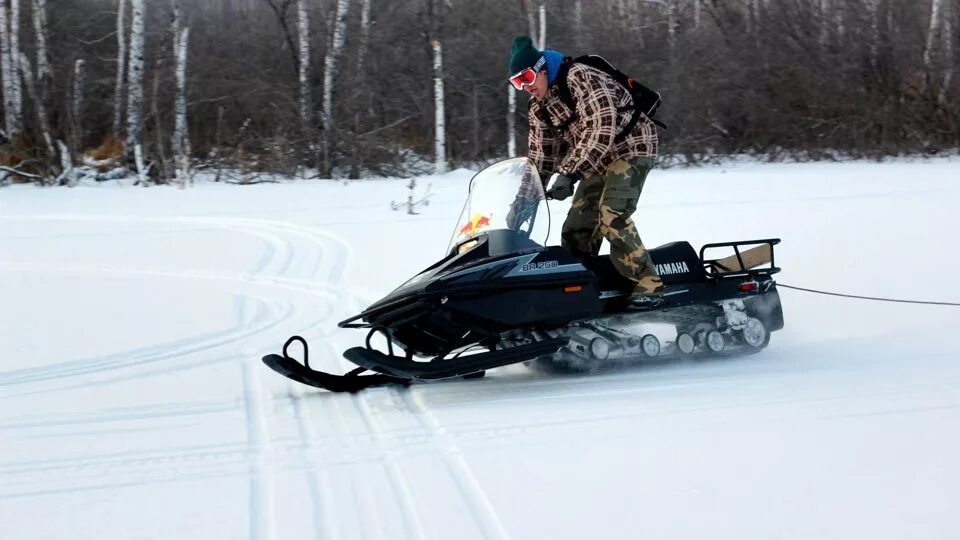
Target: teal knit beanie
x=523 y=55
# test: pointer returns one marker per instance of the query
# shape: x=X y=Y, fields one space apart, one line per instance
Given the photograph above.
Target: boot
x=647 y=292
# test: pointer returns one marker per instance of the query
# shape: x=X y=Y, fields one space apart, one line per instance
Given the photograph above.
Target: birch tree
x=329 y=77
x=303 y=30
x=17 y=87
x=135 y=76
x=76 y=106
x=364 y=35
x=121 y=68
x=12 y=107
x=512 y=92
x=578 y=24
x=333 y=53
x=947 y=52
x=38 y=105
x=542 y=38
x=181 y=140
x=440 y=146
x=40 y=35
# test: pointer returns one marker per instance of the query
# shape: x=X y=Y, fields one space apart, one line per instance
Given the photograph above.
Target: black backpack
x=645 y=100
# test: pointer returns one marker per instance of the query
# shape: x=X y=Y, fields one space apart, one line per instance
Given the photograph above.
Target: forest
x=352 y=88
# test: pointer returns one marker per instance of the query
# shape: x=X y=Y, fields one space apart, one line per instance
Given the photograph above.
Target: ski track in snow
x=317 y=273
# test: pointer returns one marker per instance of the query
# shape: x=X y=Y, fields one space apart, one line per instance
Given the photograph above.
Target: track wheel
x=650 y=345
x=686 y=343
x=715 y=341
x=755 y=334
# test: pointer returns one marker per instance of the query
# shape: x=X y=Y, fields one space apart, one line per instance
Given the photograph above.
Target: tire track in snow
x=276 y=245
x=479 y=504
x=261 y=455
x=262 y=514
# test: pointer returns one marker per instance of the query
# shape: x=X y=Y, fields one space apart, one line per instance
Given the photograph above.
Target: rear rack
x=742 y=262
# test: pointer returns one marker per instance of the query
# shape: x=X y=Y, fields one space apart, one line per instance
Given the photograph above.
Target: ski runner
x=583 y=146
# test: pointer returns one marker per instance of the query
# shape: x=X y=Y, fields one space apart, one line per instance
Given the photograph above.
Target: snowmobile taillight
x=749 y=286
x=573 y=288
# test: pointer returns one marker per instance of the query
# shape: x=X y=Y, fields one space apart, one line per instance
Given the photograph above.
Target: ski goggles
x=527 y=76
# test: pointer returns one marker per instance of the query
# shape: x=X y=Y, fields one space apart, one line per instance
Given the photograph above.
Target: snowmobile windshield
x=506 y=195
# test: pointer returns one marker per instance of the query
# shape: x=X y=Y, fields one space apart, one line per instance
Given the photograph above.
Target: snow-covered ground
x=133 y=403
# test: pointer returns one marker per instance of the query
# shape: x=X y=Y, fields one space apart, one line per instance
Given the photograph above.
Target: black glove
x=562 y=187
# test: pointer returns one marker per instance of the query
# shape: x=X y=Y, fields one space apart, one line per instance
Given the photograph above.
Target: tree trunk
x=121 y=68
x=936 y=8
x=531 y=19
x=15 y=60
x=948 y=53
x=76 y=107
x=135 y=77
x=542 y=39
x=303 y=31
x=364 y=36
x=329 y=79
x=440 y=165
x=27 y=71
x=13 y=119
x=578 y=34
x=181 y=139
x=40 y=31
x=333 y=53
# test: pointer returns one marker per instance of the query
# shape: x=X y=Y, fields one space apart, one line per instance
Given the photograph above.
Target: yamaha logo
x=667 y=269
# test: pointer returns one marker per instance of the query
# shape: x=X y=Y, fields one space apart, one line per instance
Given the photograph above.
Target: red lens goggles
x=524 y=78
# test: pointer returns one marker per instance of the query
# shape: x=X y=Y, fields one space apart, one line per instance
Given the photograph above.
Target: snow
x=133 y=403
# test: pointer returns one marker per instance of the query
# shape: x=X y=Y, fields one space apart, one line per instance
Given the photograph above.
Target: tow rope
x=874 y=298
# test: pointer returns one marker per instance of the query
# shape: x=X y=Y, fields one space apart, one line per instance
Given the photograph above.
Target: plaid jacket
x=587 y=146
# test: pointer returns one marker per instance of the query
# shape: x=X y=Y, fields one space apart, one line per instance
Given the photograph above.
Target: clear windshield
x=505 y=195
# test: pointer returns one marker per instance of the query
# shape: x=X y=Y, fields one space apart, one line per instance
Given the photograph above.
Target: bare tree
x=531 y=18
x=440 y=135
x=329 y=79
x=181 y=140
x=364 y=34
x=135 y=77
x=76 y=106
x=947 y=52
x=9 y=59
x=333 y=53
x=542 y=37
x=38 y=105
x=303 y=31
x=121 y=68
x=17 y=87
x=40 y=34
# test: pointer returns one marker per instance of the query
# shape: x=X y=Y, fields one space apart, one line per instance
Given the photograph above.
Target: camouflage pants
x=602 y=208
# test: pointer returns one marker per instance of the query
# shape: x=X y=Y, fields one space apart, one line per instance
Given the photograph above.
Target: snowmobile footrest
x=294 y=370
x=440 y=368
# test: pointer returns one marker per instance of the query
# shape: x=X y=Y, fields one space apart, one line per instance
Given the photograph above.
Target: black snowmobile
x=500 y=297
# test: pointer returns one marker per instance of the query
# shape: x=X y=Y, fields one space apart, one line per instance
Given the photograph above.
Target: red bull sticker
x=477 y=223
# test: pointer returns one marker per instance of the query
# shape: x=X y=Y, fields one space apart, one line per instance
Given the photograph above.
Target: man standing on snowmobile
x=586 y=145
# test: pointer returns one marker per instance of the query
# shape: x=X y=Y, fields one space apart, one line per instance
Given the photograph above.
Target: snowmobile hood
x=499 y=259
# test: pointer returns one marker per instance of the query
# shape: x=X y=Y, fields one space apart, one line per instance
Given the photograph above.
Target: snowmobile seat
x=676 y=262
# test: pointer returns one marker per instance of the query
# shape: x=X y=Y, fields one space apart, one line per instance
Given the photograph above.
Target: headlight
x=467 y=246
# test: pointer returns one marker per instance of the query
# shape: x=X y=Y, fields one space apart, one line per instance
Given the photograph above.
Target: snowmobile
x=502 y=296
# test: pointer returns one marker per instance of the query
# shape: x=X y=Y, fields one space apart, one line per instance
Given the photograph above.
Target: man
x=582 y=146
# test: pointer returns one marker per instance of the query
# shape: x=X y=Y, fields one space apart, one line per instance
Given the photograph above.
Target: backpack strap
x=563 y=92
